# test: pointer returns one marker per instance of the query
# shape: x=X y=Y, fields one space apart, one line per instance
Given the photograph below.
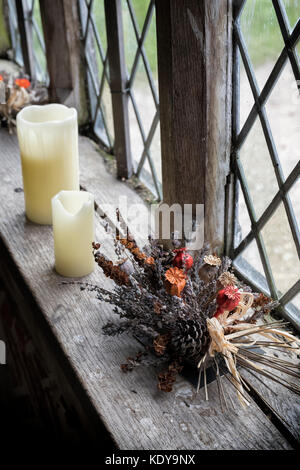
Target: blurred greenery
x=258 y=23
x=130 y=44
x=4 y=38
x=40 y=55
x=261 y=30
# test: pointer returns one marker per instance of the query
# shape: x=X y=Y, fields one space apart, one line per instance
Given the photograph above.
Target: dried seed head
x=227 y=279
x=212 y=260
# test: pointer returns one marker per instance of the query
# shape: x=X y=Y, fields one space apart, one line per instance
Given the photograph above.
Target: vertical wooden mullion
x=64 y=53
x=26 y=39
x=118 y=84
x=194 y=74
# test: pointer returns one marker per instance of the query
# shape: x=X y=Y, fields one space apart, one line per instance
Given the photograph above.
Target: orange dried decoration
x=22 y=82
x=175 y=281
x=150 y=261
x=1 y=78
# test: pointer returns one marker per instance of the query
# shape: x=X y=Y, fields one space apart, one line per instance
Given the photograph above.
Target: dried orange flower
x=175 y=281
x=150 y=261
x=175 y=275
x=22 y=82
x=1 y=78
x=212 y=260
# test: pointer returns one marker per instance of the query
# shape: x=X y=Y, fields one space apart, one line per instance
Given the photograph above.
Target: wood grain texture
x=218 y=41
x=118 y=82
x=182 y=92
x=285 y=404
x=64 y=53
x=194 y=62
x=135 y=414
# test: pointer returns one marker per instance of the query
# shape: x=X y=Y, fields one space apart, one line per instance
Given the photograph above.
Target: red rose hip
x=227 y=300
x=182 y=259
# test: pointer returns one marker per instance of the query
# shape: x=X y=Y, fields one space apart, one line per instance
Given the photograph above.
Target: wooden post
x=26 y=39
x=61 y=28
x=118 y=82
x=194 y=71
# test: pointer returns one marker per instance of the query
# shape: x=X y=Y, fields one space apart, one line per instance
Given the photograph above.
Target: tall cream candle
x=73 y=230
x=48 y=140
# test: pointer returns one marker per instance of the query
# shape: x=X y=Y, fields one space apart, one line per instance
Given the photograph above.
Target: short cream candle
x=73 y=230
x=48 y=140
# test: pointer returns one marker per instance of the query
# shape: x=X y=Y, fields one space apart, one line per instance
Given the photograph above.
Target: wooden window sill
x=68 y=322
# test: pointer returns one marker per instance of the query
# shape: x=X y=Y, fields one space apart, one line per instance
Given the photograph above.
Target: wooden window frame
x=290 y=37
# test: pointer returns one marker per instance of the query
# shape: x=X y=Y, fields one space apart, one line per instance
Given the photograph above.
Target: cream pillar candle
x=48 y=140
x=73 y=230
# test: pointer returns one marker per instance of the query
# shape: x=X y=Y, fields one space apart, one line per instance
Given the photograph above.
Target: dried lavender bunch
x=146 y=310
x=166 y=298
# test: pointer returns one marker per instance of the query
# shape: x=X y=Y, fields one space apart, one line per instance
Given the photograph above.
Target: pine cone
x=190 y=339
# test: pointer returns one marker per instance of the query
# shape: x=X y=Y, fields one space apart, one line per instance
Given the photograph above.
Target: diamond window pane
x=143 y=97
x=262 y=35
x=267 y=157
x=146 y=176
x=141 y=59
x=15 y=34
x=294 y=306
x=243 y=219
x=139 y=43
x=283 y=110
x=136 y=141
x=100 y=129
x=156 y=152
x=246 y=95
x=100 y=66
x=95 y=46
x=34 y=36
x=38 y=44
x=294 y=194
x=99 y=16
x=130 y=42
x=292 y=8
x=150 y=45
x=107 y=109
x=140 y=9
x=250 y=265
x=281 y=250
x=258 y=169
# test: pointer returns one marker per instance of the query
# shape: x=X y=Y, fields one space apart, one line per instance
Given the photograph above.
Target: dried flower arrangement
x=19 y=92
x=192 y=310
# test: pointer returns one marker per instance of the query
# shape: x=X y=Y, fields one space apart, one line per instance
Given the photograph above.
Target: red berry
x=22 y=82
x=182 y=259
x=227 y=299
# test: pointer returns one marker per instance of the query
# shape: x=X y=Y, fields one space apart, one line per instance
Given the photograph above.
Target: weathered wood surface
x=285 y=404
x=118 y=83
x=181 y=65
x=194 y=63
x=64 y=53
x=135 y=414
x=218 y=17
